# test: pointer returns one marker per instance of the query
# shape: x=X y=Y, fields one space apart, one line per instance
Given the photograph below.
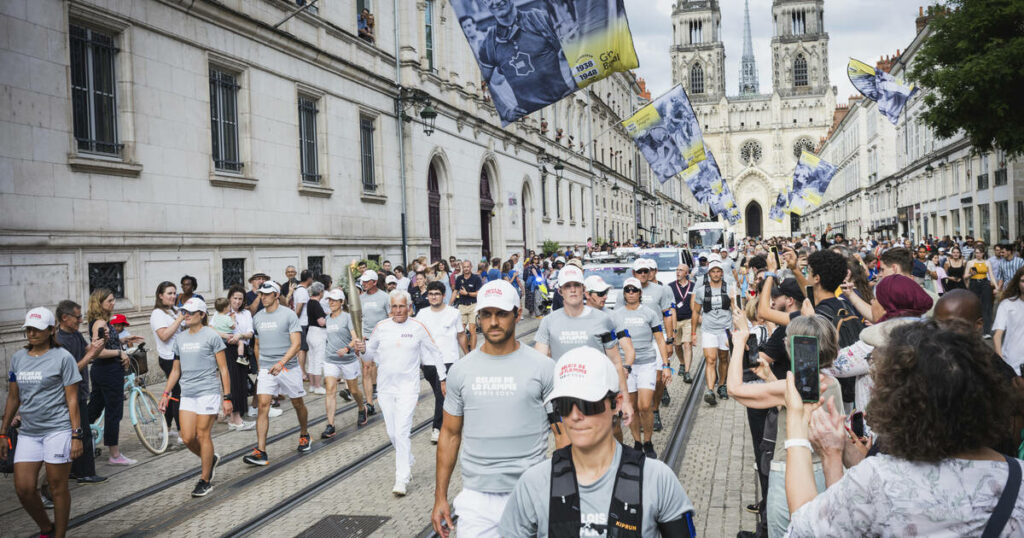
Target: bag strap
x=1004 y=508
x=564 y=505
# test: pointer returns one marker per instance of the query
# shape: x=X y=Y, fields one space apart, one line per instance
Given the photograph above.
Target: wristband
x=771 y=274
x=798 y=442
x=670 y=340
x=166 y=393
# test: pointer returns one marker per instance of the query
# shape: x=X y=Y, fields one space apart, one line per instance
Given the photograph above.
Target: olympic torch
x=355 y=308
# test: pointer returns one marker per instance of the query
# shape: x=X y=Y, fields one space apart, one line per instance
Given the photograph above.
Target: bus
x=702 y=236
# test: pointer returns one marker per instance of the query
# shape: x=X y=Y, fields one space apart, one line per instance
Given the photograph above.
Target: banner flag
x=889 y=92
x=533 y=53
x=812 y=177
x=667 y=133
x=776 y=212
x=701 y=176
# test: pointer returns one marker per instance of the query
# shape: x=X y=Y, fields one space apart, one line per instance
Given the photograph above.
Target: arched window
x=800 y=71
x=802 y=144
x=696 y=79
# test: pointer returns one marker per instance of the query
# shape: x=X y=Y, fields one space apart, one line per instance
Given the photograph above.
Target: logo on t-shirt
x=266 y=326
x=191 y=346
x=573 y=338
x=27 y=376
x=493 y=386
x=593 y=524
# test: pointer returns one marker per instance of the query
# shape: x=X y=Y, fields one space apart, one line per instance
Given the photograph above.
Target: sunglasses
x=600 y=293
x=641 y=271
x=563 y=406
x=631 y=289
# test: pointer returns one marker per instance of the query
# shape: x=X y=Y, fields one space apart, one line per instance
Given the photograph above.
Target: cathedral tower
x=799 y=48
x=698 y=56
x=748 y=69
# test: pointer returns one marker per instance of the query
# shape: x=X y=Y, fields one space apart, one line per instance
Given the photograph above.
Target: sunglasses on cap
x=563 y=406
x=631 y=289
x=600 y=293
x=645 y=270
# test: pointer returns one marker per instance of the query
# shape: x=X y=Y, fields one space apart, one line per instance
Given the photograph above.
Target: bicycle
x=143 y=411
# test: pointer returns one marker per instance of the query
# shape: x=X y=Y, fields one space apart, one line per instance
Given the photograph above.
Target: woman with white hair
x=316 y=338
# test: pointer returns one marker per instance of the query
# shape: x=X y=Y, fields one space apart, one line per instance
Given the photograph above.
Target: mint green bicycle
x=143 y=411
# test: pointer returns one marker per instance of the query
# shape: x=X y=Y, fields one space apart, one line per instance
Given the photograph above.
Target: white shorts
x=479 y=512
x=714 y=340
x=346 y=371
x=643 y=376
x=288 y=383
x=52 y=448
x=208 y=404
x=317 y=340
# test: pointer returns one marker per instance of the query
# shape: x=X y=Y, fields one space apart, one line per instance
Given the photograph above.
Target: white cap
x=39 y=318
x=559 y=259
x=716 y=247
x=369 y=274
x=595 y=283
x=336 y=295
x=584 y=373
x=497 y=294
x=195 y=304
x=389 y=279
x=651 y=264
x=733 y=254
x=632 y=281
x=714 y=258
x=715 y=265
x=640 y=263
x=570 y=273
x=270 y=287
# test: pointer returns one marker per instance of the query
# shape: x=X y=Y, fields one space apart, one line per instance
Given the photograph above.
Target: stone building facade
x=149 y=139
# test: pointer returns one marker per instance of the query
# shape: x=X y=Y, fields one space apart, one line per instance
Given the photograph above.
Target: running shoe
x=657 y=421
x=202 y=488
x=754 y=508
x=687 y=378
x=637 y=445
x=709 y=397
x=723 y=392
x=362 y=418
x=122 y=460
x=435 y=434
x=213 y=469
x=44 y=494
x=399 y=489
x=241 y=426
x=328 y=433
x=370 y=411
x=304 y=444
x=275 y=412
x=257 y=457
x=665 y=398
x=49 y=533
x=253 y=412
x=649 y=450
x=345 y=395
x=319 y=390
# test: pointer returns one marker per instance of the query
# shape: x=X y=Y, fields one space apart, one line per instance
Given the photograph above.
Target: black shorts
x=303 y=345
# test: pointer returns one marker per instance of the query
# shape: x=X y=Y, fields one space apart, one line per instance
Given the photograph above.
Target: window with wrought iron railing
x=232 y=272
x=999 y=177
x=108 y=275
x=982 y=181
x=224 y=120
x=315 y=264
x=93 y=95
x=366 y=135
x=307 y=140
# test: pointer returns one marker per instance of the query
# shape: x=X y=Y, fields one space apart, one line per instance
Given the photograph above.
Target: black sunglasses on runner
x=563 y=406
x=600 y=293
x=638 y=271
x=631 y=289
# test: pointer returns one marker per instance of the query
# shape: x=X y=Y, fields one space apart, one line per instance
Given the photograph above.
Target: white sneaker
x=434 y=436
x=242 y=426
x=275 y=412
x=177 y=438
x=319 y=390
x=399 y=489
x=252 y=412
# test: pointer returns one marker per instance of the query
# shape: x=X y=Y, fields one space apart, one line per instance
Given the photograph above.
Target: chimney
x=922 y=19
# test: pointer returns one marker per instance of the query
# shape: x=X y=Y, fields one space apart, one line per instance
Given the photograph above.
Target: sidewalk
x=718 y=470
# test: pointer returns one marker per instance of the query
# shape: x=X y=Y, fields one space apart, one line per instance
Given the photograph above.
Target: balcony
x=1000 y=177
x=983 y=181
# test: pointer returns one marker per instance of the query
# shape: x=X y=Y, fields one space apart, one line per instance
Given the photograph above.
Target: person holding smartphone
x=772 y=393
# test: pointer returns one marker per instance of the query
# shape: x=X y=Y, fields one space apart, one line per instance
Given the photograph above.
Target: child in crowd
x=224 y=322
x=121 y=324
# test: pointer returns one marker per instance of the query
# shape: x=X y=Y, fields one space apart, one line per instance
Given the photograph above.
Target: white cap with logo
x=39 y=318
x=336 y=295
x=497 y=294
x=715 y=265
x=390 y=279
x=584 y=373
x=196 y=304
x=270 y=287
x=569 y=273
x=632 y=281
x=640 y=263
x=595 y=283
x=369 y=274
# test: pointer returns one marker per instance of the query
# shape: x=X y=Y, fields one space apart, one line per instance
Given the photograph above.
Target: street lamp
x=429 y=117
x=559 y=167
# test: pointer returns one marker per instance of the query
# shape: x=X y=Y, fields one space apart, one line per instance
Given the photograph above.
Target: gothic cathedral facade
x=756 y=137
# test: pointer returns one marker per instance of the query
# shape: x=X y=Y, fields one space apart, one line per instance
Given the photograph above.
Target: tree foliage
x=972 y=64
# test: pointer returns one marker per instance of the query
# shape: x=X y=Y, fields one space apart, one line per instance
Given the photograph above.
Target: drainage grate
x=347 y=526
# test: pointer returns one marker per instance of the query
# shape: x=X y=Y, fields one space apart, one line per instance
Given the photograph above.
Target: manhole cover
x=346 y=526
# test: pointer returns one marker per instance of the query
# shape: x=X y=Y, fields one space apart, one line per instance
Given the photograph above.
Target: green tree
x=973 y=65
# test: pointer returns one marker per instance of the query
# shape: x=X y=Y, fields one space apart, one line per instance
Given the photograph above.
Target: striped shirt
x=1008 y=268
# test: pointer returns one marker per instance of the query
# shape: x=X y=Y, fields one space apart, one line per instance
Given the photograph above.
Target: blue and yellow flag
x=776 y=213
x=811 y=177
x=667 y=133
x=889 y=92
x=535 y=52
x=702 y=177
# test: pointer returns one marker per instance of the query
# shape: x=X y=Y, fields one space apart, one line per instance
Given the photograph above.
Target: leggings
x=430 y=374
x=107 y=396
x=238 y=375
x=982 y=288
x=171 y=414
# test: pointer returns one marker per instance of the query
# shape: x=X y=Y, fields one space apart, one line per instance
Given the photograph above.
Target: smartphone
x=857 y=423
x=750 y=359
x=804 y=363
x=775 y=252
x=102 y=332
x=809 y=293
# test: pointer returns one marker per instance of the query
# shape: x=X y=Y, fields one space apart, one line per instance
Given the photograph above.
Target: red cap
x=119 y=319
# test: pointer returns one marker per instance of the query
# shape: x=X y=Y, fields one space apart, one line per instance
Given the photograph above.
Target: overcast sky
x=865 y=29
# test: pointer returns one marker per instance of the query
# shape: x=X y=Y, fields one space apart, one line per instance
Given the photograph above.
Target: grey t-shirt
x=505 y=426
x=198 y=355
x=375 y=309
x=641 y=324
x=717 y=320
x=526 y=513
x=657 y=297
x=41 y=381
x=561 y=332
x=273 y=332
x=339 y=335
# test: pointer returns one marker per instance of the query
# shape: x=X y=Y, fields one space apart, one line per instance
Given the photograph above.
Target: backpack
x=848 y=324
x=625 y=515
x=723 y=291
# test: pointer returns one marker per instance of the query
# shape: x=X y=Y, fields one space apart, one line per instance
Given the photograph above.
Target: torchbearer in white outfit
x=398 y=346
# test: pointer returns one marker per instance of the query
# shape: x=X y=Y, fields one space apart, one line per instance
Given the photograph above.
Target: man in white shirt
x=300 y=298
x=399 y=346
x=445 y=325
